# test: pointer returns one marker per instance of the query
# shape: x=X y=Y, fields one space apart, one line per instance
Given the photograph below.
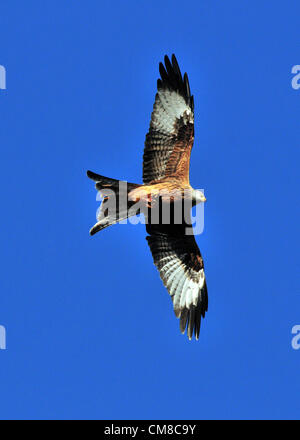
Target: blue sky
x=90 y=327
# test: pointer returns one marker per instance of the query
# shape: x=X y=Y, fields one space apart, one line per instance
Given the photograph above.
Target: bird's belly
x=165 y=191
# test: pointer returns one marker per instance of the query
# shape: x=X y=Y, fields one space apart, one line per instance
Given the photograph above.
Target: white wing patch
x=181 y=268
x=184 y=284
x=169 y=106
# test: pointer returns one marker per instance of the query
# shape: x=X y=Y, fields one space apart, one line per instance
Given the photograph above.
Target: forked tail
x=115 y=205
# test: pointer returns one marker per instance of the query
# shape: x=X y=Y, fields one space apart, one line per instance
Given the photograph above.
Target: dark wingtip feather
x=178 y=313
x=168 y=63
x=197 y=322
x=169 y=68
x=190 y=319
x=163 y=73
x=183 y=320
x=191 y=323
x=192 y=103
x=176 y=67
x=204 y=300
x=187 y=85
x=171 y=79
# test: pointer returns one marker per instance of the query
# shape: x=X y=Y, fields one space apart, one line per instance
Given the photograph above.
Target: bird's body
x=156 y=189
x=166 y=183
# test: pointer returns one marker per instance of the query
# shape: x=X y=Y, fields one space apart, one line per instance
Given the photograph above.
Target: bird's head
x=198 y=196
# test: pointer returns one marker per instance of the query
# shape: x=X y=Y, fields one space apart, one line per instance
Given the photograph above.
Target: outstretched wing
x=181 y=268
x=170 y=138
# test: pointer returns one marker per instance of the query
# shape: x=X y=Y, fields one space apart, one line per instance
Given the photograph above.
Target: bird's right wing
x=181 y=268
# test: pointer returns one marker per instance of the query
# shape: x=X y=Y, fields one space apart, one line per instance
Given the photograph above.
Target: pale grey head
x=198 y=196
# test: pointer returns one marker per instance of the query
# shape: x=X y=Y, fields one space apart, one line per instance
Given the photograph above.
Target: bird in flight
x=166 y=161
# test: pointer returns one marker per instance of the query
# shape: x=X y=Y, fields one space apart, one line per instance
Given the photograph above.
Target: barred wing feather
x=181 y=268
x=170 y=138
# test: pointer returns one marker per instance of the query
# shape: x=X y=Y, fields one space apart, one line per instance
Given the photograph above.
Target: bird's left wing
x=170 y=138
x=181 y=268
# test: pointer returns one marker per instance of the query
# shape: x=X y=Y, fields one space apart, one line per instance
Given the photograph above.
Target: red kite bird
x=166 y=170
